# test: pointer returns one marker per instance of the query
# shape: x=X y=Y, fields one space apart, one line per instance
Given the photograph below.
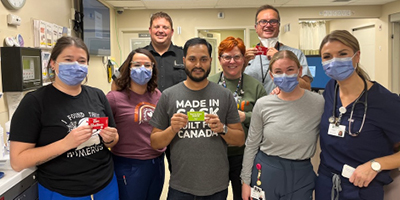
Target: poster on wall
x=45 y=72
x=46 y=34
x=39 y=32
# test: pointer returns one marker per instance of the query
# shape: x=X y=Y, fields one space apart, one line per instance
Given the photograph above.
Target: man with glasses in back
x=267 y=27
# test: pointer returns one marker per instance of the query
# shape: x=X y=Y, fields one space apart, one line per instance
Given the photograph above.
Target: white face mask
x=269 y=42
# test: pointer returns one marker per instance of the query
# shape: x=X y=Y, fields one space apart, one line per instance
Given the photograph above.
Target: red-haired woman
x=246 y=90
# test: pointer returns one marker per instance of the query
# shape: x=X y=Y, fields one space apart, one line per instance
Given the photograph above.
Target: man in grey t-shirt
x=198 y=146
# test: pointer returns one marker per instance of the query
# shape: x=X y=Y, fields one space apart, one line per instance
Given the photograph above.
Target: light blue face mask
x=72 y=73
x=141 y=75
x=286 y=83
x=339 y=68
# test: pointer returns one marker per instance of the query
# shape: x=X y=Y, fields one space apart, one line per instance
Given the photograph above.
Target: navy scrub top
x=380 y=132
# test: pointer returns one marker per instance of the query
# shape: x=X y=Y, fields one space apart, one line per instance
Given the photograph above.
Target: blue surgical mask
x=286 y=83
x=339 y=68
x=141 y=75
x=72 y=73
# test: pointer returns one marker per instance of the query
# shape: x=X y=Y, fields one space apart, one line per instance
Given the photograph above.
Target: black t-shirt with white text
x=48 y=115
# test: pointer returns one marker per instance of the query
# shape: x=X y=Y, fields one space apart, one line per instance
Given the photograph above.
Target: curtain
x=311 y=35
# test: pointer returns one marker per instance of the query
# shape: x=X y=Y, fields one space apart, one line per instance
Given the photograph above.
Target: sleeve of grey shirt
x=303 y=62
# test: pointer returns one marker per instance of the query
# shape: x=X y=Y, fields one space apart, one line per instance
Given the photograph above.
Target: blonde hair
x=349 y=40
x=281 y=55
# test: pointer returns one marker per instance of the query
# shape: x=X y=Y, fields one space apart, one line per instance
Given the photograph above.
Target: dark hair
x=229 y=43
x=123 y=82
x=63 y=43
x=266 y=7
x=349 y=40
x=161 y=15
x=195 y=41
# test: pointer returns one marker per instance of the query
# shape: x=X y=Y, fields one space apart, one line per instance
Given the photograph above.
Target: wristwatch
x=375 y=166
x=224 y=131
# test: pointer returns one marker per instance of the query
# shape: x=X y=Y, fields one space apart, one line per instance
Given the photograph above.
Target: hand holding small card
x=261 y=50
x=98 y=122
x=195 y=116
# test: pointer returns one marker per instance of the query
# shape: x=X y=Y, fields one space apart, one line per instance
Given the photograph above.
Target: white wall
x=57 y=12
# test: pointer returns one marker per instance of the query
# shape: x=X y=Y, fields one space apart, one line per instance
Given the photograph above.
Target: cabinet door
x=29 y=194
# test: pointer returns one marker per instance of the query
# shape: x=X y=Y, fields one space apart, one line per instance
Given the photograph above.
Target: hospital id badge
x=257 y=193
x=337 y=131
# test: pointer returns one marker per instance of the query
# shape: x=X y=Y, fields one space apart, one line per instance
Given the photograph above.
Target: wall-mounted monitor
x=320 y=79
x=96 y=27
x=21 y=68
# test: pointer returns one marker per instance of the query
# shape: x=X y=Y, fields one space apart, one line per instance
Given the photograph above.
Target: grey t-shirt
x=288 y=129
x=198 y=156
x=253 y=69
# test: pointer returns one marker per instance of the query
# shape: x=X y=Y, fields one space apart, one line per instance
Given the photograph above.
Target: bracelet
x=108 y=142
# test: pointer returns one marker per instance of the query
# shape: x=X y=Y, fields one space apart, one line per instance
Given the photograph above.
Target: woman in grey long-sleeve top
x=282 y=137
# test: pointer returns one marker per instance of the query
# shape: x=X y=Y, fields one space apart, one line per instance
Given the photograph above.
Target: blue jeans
x=139 y=179
x=177 y=195
x=110 y=192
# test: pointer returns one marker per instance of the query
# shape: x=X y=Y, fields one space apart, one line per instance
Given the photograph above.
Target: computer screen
x=96 y=27
x=319 y=77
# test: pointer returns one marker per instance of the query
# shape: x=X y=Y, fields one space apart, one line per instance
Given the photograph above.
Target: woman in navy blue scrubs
x=359 y=127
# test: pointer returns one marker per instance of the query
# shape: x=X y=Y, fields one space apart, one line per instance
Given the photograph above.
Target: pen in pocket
x=124 y=179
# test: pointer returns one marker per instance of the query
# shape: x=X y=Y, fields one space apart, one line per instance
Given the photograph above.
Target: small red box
x=261 y=50
x=98 y=122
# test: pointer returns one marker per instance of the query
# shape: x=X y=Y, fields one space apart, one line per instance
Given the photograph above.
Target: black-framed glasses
x=228 y=58
x=139 y=64
x=264 y=22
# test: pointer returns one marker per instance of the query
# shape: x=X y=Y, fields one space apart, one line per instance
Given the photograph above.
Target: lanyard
x=263 y=76
x=239 y=88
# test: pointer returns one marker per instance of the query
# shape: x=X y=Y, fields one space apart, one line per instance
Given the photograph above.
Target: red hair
x=229 y=43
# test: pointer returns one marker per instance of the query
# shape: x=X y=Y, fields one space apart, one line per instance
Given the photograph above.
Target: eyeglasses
x=264 y=22
x=228 y=58
x=139 y=64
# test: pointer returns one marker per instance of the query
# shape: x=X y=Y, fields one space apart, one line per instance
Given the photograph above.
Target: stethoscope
x=342 y=110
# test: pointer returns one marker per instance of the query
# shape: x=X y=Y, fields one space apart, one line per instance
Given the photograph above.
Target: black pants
x=235 y=168
x=168 y=156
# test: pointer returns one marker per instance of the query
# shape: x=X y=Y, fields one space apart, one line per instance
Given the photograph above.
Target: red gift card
x=98 y=122
x=261 y=50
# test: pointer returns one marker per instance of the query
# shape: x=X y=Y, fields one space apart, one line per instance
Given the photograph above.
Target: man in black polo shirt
x=168 y=56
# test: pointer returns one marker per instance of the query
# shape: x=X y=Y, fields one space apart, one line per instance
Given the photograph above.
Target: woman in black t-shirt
x=54 y=129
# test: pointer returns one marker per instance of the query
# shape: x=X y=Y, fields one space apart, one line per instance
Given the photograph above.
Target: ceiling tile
x=192 y=4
